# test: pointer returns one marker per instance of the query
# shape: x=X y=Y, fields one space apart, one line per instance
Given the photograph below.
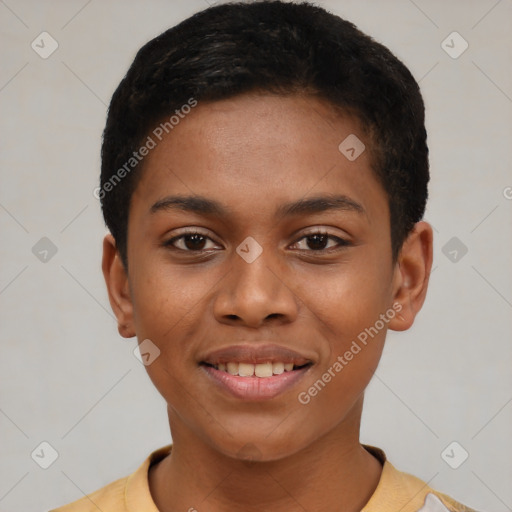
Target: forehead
x=260 y=150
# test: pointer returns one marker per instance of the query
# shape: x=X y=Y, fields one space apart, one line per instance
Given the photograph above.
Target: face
x=256 y=246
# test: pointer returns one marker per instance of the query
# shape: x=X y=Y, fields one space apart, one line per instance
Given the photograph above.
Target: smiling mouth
x=259 y=370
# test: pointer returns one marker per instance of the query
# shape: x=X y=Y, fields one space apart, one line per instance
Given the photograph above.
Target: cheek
x=347 y=305
x=165 y=307
x=352 y=326
x=346 y=299
x=165 y=298
x=174 y=371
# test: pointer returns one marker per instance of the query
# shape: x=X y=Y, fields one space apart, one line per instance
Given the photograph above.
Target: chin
x=259 y=447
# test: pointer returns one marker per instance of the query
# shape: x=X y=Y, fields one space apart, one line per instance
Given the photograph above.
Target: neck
x=333 y=473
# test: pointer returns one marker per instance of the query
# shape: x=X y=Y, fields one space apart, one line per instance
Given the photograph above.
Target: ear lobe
x=116 y=279
x=412 y=273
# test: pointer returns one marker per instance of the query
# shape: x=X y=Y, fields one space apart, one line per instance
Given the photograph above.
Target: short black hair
x=281 y=48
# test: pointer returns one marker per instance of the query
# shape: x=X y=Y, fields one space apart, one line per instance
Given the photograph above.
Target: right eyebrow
x=196 y=204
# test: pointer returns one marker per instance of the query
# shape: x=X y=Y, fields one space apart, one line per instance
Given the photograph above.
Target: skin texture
x=252 y=154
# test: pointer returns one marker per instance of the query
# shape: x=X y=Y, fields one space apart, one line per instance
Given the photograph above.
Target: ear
x=116 y=279
x=412 y=273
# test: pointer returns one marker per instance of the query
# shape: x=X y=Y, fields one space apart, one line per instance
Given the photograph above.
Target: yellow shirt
x=396 y=491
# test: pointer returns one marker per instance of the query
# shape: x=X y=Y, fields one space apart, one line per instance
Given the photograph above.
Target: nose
x=255 y=294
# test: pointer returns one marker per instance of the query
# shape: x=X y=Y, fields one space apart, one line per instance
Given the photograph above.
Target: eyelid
x=321 y=230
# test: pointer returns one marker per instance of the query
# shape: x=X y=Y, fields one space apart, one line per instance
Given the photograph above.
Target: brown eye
x=317 y=242
x=320 y=242
x=194 y=242
x=191 y=242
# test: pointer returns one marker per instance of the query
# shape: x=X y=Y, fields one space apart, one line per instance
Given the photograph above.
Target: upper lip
x=255 y=354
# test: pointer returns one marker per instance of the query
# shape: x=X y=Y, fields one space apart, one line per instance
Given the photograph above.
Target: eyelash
x=340 y=241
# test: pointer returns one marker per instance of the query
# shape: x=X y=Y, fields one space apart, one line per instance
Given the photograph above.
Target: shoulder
x=398 y=490
x=129 y=493
x=437 y=502
x=424 y=498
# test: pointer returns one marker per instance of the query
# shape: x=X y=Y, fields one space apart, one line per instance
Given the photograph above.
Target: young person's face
x=302 y=300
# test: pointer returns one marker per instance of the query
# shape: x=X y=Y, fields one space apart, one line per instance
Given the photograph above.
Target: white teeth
x=261 y=370
x=232 y=368
x=245 y=369
x=277 y=368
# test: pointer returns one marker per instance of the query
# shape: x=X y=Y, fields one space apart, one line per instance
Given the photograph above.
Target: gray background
x=69 y=379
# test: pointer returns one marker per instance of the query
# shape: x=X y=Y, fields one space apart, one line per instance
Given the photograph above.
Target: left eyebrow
x=208 y=207
x=319 y=204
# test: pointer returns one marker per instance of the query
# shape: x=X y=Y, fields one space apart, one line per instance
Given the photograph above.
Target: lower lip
x=255 y=388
